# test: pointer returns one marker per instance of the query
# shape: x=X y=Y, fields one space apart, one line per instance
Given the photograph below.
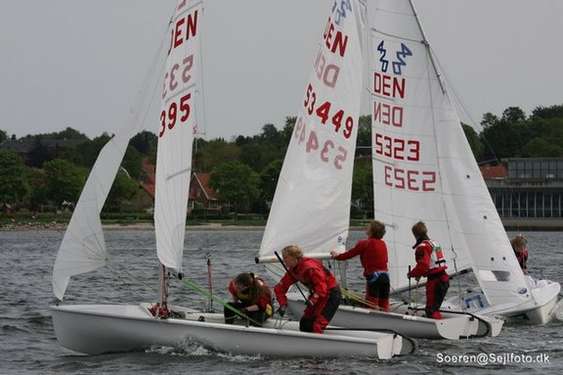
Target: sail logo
x=340 y=10
x=397 y=64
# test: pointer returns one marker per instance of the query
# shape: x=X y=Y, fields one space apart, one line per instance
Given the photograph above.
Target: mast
x=427 y=45
x=180 y=116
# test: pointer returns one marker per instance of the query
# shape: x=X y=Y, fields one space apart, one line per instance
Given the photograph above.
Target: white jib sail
x=83 y=248
x=423 y=165
x=311 y=205
x=178 y=123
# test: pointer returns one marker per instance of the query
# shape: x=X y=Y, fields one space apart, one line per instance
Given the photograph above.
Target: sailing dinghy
x=424 y=169
x=320 y=193
x=95 y=329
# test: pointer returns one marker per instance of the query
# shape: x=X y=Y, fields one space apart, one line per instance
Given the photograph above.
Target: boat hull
x=96 y=329
x=545 y=294
x=452 y=327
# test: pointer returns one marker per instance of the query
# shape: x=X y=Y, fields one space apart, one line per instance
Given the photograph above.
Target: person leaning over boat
x=251 y=296
x=520 y=247
x=373 y=256
x=430 y=263
x=324 y=290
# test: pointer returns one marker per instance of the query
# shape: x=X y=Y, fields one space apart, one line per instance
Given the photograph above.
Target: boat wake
x=194 y=349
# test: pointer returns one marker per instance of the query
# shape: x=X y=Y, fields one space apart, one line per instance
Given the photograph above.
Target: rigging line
x=461 y=103
x=195 y=287
x=133 y=277
x=202 y=86
x=427 y=45
x=434 y=131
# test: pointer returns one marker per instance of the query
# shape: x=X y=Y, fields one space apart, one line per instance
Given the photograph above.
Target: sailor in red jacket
x=520 y=247
x=430 y=263
x=373 y=256
x=251 y=296
x=324 y=297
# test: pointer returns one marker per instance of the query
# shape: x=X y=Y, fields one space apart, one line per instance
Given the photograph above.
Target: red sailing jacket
x=423 y=256
x=311 y=273
x=373 y=255
x=522 y=257
x=262 y=300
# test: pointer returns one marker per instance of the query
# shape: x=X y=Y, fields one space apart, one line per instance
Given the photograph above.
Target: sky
x=82 y=63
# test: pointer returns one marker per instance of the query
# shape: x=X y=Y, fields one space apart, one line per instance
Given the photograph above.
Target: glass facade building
x=533 y=188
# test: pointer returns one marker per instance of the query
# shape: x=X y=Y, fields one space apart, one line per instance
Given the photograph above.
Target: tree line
x=45 y=171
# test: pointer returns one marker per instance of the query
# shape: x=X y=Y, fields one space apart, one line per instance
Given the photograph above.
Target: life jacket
x=262 y=298
x=437 y=258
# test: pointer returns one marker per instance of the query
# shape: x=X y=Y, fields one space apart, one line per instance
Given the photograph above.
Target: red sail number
x=169 y=117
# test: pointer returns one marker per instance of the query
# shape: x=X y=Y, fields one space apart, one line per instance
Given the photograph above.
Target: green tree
x=363 y=142
x=39 y=153
x=14 y=186
x=133 y=162
x=269 y=179
x=362 y=183
x=271 y=135
x=88 y=151
x=236 y=183
x=122 y=191
x=474 y=141
x=64 y=180
x=287 y=132
x=489 y=120
x=211 y=154
x=539 y=147
x=146 y=143
x=554 y=111
x=3 y=136
x=39 y=190
x=513 y=115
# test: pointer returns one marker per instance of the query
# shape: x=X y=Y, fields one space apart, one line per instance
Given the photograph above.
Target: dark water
x=28 y=344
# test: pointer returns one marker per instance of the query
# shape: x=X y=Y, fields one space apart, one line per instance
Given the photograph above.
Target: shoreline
x=553 y=225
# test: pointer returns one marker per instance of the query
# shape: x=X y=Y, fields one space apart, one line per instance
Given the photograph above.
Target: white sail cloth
x=423 y=166
x=83 y=248
x=311 y=204
x=179 y=121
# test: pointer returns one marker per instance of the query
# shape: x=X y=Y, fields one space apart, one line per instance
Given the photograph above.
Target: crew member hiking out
x=373 y=256
x=430 y=263
x=251 y=296
x=324 y=297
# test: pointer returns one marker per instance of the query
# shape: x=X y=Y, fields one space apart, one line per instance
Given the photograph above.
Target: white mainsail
x=423 y=166
x=311 y=205
x=179 y=121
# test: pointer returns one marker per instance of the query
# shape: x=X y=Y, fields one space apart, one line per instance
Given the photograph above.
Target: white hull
x=95 y=329
x=545 y=294
x=452 y=327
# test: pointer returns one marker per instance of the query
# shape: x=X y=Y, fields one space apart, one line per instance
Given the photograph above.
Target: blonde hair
x=376 y=229
x=519 y=242
x=293 y=251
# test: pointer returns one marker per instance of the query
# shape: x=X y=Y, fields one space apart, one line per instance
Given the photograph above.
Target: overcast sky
x=80 y=63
